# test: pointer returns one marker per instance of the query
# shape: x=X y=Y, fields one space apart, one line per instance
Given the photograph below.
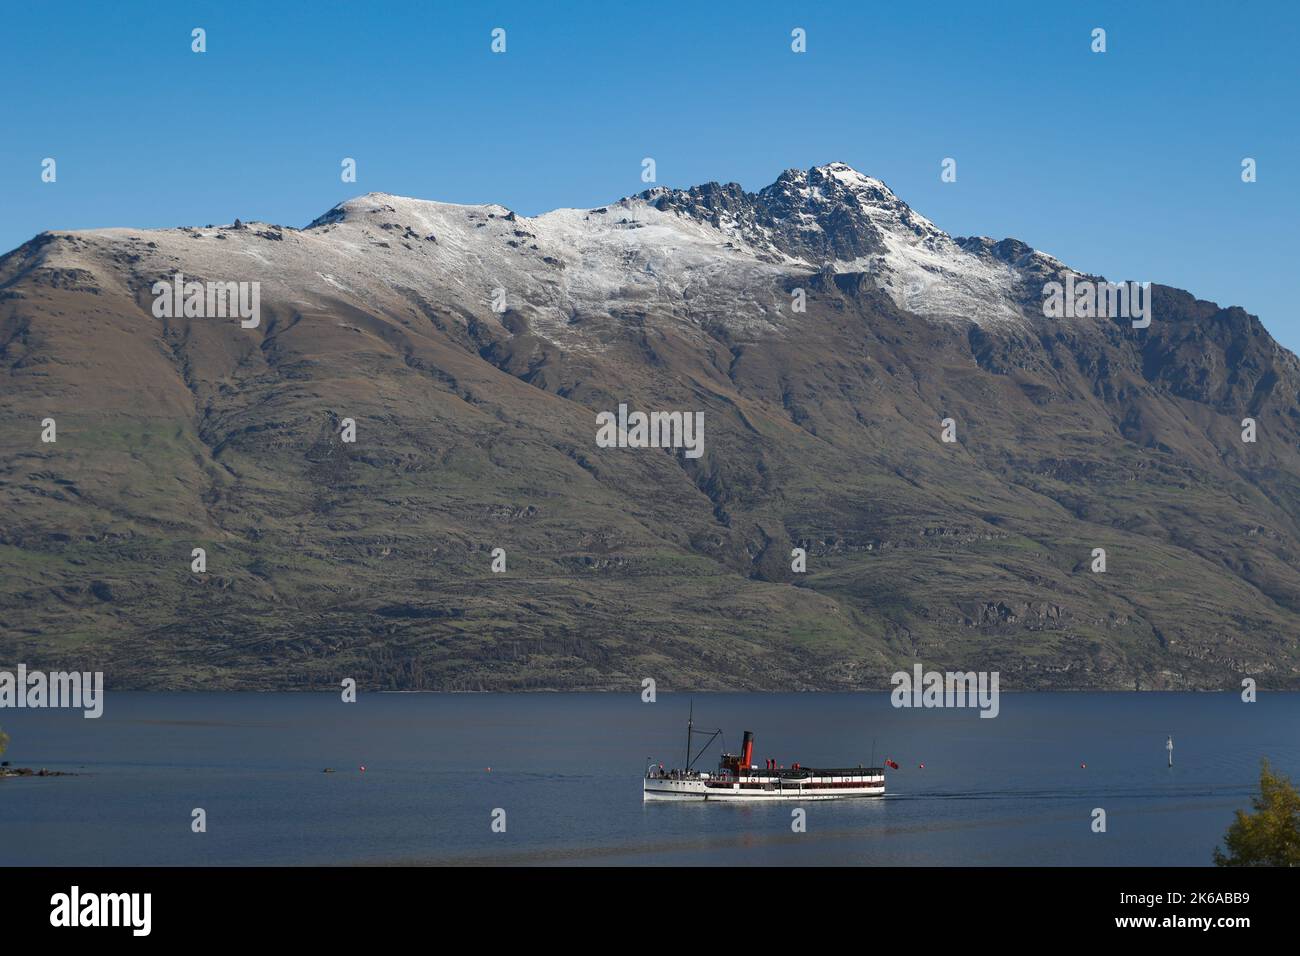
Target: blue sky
x=1125 y=163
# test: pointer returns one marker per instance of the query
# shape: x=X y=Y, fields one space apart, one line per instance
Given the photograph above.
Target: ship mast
x=690 y=722
x=690 y=738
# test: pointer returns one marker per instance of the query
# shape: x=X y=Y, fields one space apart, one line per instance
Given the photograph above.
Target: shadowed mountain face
x=476 y=430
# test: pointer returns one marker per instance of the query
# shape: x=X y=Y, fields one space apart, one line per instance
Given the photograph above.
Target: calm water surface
x=567 y=768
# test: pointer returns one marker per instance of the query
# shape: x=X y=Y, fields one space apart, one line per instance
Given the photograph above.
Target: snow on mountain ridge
x=710 y=253
x=835 y=217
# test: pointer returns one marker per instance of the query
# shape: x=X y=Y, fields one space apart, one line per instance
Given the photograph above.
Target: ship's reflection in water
x=567 y=771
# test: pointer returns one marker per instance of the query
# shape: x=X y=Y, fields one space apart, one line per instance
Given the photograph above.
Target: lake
x=566 y=769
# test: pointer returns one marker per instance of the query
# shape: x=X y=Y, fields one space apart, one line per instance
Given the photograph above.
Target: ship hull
x=760 y=790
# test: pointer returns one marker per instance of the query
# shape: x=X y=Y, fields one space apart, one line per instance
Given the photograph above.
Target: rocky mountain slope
x=475 y=430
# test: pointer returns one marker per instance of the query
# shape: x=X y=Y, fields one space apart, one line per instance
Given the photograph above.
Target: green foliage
x=1271 y=835
x=4 y=741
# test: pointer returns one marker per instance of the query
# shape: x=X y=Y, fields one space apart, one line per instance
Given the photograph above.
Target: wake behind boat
x=738 y=779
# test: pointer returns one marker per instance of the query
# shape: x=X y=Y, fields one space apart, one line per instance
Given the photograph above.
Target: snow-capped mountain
x=473 y=351
x=710 y=253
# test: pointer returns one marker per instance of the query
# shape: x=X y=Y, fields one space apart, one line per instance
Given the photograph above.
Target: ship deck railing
x=784 y=773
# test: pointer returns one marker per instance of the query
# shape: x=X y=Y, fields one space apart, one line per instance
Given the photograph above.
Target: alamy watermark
x=75 y=908
x=177 y=298
x=922 y=688
x=653 y=430
x=78 y=690
x=1085 y=299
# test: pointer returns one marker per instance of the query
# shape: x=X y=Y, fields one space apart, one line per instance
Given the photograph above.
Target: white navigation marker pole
x=1169 y=746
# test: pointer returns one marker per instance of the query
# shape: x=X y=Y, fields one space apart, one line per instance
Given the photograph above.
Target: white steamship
x=737 y=778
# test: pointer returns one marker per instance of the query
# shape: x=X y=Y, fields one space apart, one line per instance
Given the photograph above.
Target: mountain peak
x=825 y=214
x=834 y=217
x=850 y=177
